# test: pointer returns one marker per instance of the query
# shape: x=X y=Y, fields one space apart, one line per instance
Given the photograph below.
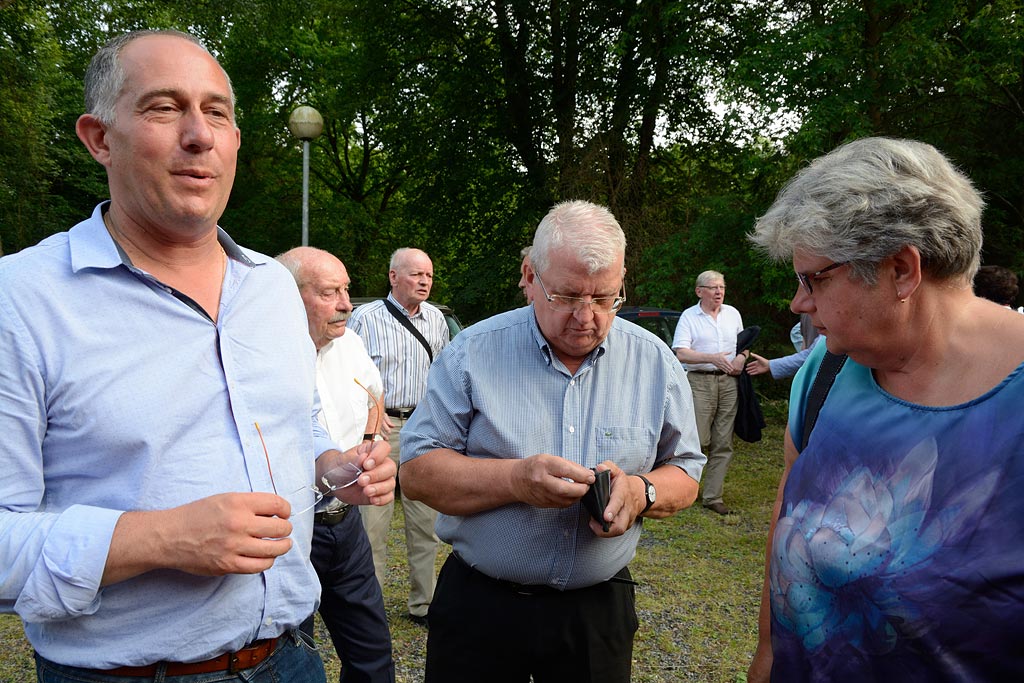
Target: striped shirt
x=498 y=391
x=401 y=359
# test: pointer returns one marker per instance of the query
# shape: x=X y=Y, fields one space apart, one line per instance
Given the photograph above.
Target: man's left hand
x=376 y=485
x=625 y=503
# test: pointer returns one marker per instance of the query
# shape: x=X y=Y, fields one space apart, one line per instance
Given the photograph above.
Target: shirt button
x=268 y=621
x=572 y=430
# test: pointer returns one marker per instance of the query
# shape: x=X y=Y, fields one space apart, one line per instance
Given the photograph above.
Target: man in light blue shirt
x=158 y=406
x=518 y=410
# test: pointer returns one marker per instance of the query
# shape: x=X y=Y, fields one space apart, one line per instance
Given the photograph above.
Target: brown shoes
x=717 y=507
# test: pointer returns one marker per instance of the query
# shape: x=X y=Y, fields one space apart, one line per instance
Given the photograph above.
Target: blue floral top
x=899 y=550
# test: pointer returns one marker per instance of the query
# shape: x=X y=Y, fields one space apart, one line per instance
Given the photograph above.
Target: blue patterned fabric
x=899 y=551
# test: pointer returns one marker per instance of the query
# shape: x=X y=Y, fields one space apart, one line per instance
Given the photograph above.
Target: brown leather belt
x=401 y=413
x=246 y=658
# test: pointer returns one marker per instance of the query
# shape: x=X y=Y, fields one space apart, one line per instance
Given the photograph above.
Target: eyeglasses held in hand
x=572 y=304
x=335 y=479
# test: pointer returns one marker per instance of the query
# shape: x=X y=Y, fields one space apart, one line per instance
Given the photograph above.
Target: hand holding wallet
x=596 y=497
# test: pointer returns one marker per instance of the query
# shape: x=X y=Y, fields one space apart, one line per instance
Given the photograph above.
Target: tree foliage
x=453 y=126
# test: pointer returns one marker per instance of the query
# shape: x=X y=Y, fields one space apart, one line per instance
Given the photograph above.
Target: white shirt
x=344 y=406
x=698 y=331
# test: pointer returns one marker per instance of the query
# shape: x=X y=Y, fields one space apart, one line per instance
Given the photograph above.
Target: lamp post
x=305 y=123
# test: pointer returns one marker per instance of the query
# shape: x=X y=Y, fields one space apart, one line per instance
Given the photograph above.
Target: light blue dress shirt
x=116 y=395
x=497 y=391
x=787 y=366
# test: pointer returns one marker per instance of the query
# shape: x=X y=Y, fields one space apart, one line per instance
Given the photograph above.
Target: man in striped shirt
x=403 y=361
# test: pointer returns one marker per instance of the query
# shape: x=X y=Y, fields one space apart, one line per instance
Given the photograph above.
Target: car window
x=454 y=326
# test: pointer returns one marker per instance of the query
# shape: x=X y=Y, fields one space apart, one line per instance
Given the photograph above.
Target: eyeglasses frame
x=806 y=279
x=580 y=302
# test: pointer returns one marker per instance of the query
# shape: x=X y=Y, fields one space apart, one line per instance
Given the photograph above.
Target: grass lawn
x=699 y=573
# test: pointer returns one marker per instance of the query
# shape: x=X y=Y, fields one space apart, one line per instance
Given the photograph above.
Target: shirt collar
x=92 y=246
x=392 y=299
x=545 y=346
x=326 y=347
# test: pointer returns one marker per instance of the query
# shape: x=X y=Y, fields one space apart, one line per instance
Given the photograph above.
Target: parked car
x=660 y=321
x=454 y=325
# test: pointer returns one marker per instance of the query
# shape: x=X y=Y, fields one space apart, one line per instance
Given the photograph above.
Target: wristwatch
x=649 y=493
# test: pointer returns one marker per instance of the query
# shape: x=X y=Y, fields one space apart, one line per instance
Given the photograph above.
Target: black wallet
x=596 y=497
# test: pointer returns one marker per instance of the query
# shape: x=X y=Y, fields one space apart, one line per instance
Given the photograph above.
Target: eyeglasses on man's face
x=806 y=280
x=572 y=304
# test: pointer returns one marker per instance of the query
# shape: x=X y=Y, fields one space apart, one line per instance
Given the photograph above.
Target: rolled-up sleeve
x=51 y=564
x=679 y=443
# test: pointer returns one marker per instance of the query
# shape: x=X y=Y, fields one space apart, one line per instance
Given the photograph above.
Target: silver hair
x=297 y=261
x=709 y=276
x=867 y=199
x=589 y=230
x=399 y=255
x=293 y=262
x=104 y=78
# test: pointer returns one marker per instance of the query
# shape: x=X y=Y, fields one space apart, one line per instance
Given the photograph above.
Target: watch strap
x=647 y=487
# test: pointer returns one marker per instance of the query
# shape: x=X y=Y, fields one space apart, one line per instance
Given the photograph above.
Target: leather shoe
x=419 y=620
x=717 y=507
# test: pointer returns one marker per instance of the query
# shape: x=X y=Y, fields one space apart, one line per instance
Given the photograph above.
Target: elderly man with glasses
x=523 y=413
x=705 y=340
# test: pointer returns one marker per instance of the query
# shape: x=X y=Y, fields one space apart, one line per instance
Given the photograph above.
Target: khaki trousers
x=714 y=406
x=421 y=542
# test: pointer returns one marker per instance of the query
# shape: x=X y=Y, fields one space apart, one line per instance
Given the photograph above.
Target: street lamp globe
x=305 y=123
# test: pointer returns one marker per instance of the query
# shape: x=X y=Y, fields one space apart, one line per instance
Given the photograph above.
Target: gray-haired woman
x=895 y=549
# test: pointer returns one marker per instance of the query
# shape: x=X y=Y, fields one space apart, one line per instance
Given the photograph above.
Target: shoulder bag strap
x=830 y=366
x=407 y=324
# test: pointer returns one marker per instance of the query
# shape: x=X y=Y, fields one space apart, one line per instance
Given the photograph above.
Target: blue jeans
x=296 y=660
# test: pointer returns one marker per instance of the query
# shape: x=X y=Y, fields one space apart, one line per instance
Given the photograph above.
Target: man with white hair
x=349 y=385
x=403 y=335
x=523 y=413
x=705 y=340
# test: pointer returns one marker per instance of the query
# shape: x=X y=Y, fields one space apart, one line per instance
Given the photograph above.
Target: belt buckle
x=253 y=655
x=334 y=514
x=233 y=662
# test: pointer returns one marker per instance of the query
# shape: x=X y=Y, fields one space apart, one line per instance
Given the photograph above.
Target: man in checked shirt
x=518 y=410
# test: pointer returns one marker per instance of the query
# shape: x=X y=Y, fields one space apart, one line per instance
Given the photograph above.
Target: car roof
x=646 y=312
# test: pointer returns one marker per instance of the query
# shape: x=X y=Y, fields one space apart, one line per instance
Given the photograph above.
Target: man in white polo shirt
x=705 y=341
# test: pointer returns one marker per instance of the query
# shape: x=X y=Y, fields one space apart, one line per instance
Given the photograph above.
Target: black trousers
x=486 y=630
x=351 y=602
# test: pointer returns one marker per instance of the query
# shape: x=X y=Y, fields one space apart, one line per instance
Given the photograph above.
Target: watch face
x=651 y=493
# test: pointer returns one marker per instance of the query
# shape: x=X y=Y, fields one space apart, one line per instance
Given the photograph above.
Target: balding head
x=323 y=284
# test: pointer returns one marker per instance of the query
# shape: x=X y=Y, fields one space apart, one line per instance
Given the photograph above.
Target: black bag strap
x=829 y=369
x=407 y=324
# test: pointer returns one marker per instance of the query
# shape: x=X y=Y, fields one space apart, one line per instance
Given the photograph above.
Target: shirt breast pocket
x=631 y=448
